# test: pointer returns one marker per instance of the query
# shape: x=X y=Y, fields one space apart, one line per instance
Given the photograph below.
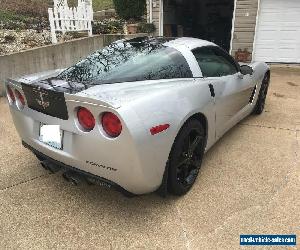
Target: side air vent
x=253 y=94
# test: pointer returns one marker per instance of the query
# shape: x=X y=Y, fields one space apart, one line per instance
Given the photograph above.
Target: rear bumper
x=121 y=162
x=101 y=180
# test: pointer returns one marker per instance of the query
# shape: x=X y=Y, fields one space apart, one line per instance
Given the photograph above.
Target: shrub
x=9 y=38
x=108 y=26
x=10 y=20
x=6 y=15
x=130 y=9
x=97 y=4
x=146 y=28
x=26 y=7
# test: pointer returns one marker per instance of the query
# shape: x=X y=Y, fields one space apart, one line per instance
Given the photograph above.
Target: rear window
x=124 y=61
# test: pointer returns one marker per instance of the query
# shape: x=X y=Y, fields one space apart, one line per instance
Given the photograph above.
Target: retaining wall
x=52 y=56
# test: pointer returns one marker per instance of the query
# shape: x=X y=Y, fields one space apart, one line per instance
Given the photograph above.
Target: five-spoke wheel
x=186 y=157
x=260 y=104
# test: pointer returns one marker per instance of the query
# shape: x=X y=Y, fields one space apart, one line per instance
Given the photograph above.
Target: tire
x=261 y=100
x=186 y=157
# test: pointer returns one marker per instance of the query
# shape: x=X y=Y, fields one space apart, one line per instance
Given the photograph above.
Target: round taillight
x=20 y=98
x=111 y=124
x=10 y=94
x=86 y=119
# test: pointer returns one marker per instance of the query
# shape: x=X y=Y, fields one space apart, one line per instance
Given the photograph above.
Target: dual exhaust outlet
x=73 y=177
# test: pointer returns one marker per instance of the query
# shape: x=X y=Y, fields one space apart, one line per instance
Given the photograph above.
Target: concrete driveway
x=249 y=184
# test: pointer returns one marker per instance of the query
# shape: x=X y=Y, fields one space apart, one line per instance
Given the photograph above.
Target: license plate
x=51 y=135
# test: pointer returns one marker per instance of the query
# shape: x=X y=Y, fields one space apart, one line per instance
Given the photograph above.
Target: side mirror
x=240 y=75
x=246 y=70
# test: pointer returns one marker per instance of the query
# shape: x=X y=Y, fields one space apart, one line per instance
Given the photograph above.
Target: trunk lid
x=48 y=95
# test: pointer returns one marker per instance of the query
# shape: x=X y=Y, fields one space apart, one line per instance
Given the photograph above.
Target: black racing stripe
x=61 y=85
x=46 y=101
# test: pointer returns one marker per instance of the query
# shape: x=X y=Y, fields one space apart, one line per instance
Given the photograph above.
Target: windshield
x=125 y=61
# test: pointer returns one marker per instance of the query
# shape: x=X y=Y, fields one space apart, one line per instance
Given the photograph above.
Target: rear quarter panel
x=259 y=70
x=172 y=106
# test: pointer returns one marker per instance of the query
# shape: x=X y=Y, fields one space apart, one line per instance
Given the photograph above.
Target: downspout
x=233 y=28
x=150 y=11
x=161 y=18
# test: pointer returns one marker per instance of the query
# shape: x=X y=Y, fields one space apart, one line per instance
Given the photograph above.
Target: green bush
x=6 y=15
x=97 y=4
x=108 y=26
x=130 y=9
x=31 y=8
x=9 y=39
x=24 y=14
x=12 y=21
x=146 y=28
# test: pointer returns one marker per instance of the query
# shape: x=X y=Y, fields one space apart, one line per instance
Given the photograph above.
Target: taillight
x=20 y=98
x=86 y=119
x=111 y=124
x=10 y=94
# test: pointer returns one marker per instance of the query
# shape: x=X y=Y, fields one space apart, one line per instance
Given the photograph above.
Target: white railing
x=64 y=19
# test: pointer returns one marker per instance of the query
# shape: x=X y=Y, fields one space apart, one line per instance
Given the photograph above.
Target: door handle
x=212 y=90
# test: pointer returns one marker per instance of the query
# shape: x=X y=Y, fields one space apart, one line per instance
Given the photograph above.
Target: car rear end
x=90 y=136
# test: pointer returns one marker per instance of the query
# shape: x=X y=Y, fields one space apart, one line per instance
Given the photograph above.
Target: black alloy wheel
x=186 y=157
x=260 y=104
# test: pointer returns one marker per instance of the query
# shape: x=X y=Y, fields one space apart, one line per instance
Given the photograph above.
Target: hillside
x=97 y=4
x=29 y=7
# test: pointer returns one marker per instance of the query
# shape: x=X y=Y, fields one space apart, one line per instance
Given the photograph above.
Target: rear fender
x=173 y=107
x=259 y=70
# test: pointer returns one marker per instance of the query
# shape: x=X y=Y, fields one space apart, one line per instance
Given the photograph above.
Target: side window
x=207 y=61
x=214 y=62
x=229 y=66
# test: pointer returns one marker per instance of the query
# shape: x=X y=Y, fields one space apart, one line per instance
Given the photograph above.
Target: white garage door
x=278 y=31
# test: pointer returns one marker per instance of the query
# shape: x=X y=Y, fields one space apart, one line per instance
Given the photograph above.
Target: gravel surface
x=14 y=41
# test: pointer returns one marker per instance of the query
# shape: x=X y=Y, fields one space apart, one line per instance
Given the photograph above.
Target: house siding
x=156 y=16
x=244 y=24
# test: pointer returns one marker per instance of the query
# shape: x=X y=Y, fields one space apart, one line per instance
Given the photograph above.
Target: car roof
x=188 y=42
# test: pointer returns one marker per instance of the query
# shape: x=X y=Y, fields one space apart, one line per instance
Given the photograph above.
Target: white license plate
x=51 y=135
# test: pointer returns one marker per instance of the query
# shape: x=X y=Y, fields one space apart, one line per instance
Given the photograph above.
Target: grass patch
x=102 y=5
x=97 y=4
x=15 y=21
x=6 y=15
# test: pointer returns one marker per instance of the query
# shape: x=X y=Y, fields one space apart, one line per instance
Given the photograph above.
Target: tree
x=130 y=9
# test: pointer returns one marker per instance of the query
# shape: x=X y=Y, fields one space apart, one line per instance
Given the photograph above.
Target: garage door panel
x=278 y=31
x=286 y=53
x=290 y=17
x=268 y=36
x=279 y=19
x=270 y=18
x=286 y=35
x=291 y=27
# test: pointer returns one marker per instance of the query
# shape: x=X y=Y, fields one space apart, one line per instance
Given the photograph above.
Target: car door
x=231 y=89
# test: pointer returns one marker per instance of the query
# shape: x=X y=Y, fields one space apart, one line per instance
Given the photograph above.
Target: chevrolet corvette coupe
x=137 y=115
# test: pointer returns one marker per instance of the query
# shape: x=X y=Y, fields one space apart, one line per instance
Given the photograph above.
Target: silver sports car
x=137 y=115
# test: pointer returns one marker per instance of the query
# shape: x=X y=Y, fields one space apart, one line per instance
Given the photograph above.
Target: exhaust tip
x=73 y=178
x=50 y=166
